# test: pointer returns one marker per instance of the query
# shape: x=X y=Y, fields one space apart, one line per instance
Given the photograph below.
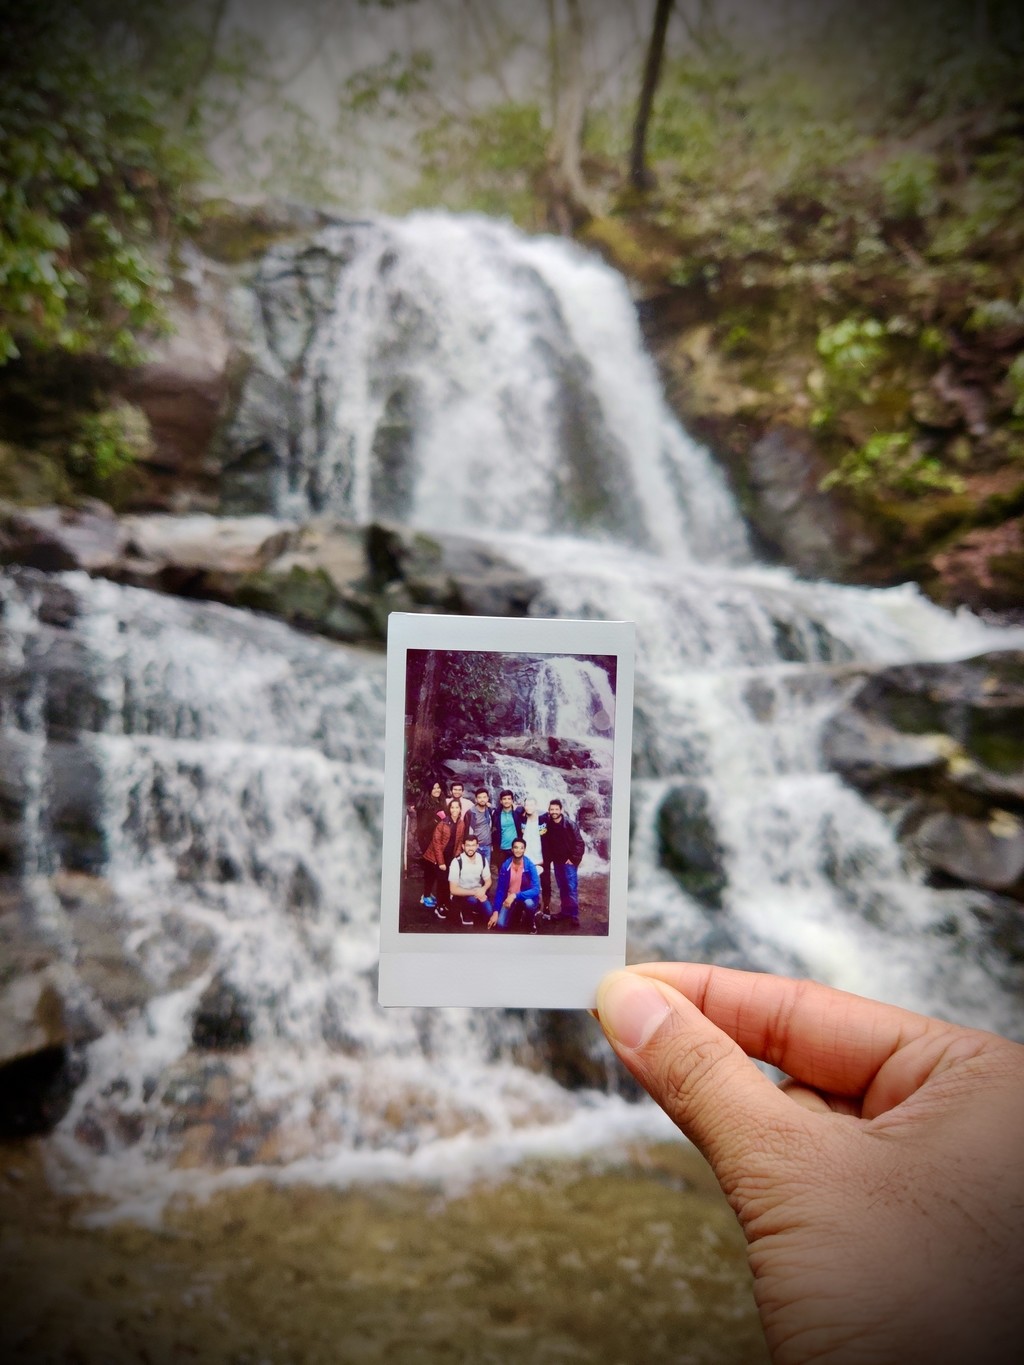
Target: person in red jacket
x=446 y=844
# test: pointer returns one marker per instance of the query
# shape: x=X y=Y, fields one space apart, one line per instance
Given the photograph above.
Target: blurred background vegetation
x=836 y=188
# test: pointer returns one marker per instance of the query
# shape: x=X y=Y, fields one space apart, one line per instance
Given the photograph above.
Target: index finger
x=825 y=1038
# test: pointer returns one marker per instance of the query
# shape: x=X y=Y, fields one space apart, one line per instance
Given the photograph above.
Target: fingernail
x=630 y=1009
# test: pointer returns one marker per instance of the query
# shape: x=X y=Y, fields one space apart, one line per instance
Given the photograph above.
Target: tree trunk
x=424 y=677
x=568 y=201
x=191 y=104
x=640 y=177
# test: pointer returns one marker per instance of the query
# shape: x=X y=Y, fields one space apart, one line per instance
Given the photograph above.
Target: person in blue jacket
x=517 y=894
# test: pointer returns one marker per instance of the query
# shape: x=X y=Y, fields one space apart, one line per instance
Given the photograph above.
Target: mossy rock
x=995 y=742
x=918 y=525
x=308 y=599
x=31 y=478
x=631 y=246
x=234 y=233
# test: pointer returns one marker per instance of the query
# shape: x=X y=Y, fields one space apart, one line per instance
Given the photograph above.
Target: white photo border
x=538 y=971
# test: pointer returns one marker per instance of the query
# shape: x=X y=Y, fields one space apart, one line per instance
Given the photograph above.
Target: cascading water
x=466 y=379
x=460 y=376
x=572 y=698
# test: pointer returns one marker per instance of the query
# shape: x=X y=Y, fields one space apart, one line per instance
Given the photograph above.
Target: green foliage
x=988 y=208
x=694 y=101
x=918 y=61
x=931 y=341
x=1015 y=378
x=384 y=88
x=88 y=174
x=474 y=692
x=110 y=441
x=297 y=159
x=851 y=351
x=909 y=183
x=853 y=348
x=991 y=315
x=487 y=163
x=890 y=462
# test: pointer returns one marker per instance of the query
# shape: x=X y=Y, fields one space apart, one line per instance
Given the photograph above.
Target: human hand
x=881 y=1189
x=493 y=920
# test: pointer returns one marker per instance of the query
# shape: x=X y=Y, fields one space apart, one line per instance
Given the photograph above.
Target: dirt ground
x=609 y=1262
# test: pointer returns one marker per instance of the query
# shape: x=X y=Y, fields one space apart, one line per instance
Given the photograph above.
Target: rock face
x=278 y=319
x=987 y=853
x=812 y=530
x=327 y=576
x=942 y=746
x=56 y=538
x=556 y=753
x=184 y=391
x=985 y=567
x=60 y=988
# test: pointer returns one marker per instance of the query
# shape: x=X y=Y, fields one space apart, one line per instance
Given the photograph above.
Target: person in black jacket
x=563 y=852
x=506 y=825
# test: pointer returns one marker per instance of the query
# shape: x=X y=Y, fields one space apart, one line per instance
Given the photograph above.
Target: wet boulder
x=223 y=1017
x=987 y=853
x=563 y=1045
x=40 y=1064
x=865 y=751
x=941 y=746
x=458 y=575
x=688 y=845
x=110 y=982
x=53 y=538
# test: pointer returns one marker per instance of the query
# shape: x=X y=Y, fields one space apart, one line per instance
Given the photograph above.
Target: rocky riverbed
x=632 y=1256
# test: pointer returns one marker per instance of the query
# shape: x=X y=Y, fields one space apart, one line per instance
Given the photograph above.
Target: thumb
x=700 y=1077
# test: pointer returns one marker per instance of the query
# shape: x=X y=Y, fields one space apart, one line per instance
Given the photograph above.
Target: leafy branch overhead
x=88 y=176
x=107 y=112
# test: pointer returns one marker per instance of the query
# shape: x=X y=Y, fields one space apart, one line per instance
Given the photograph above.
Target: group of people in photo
x=496 y=866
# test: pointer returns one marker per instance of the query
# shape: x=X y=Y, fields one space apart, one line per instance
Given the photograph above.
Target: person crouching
x=469 y=880
x=517 y=894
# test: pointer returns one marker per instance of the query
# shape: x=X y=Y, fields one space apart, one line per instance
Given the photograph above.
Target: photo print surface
x=502 y=749
x=506 y=814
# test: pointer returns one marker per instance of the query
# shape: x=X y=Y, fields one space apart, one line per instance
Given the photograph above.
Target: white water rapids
x=241 y=762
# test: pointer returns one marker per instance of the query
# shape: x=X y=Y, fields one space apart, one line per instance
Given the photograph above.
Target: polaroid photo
x=506 y=810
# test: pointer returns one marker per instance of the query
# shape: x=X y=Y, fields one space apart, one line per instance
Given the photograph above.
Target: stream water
x=461 y=377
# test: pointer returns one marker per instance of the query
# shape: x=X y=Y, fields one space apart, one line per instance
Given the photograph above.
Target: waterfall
x=572 y=698
x=464 y=378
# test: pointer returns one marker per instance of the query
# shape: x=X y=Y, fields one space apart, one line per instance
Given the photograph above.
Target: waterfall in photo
x=221 y=803
x=572 y=698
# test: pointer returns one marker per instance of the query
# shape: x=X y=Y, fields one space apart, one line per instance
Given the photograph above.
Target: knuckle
x=688 y=1068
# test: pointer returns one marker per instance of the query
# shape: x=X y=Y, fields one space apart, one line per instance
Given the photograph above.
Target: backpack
x=459 y=861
